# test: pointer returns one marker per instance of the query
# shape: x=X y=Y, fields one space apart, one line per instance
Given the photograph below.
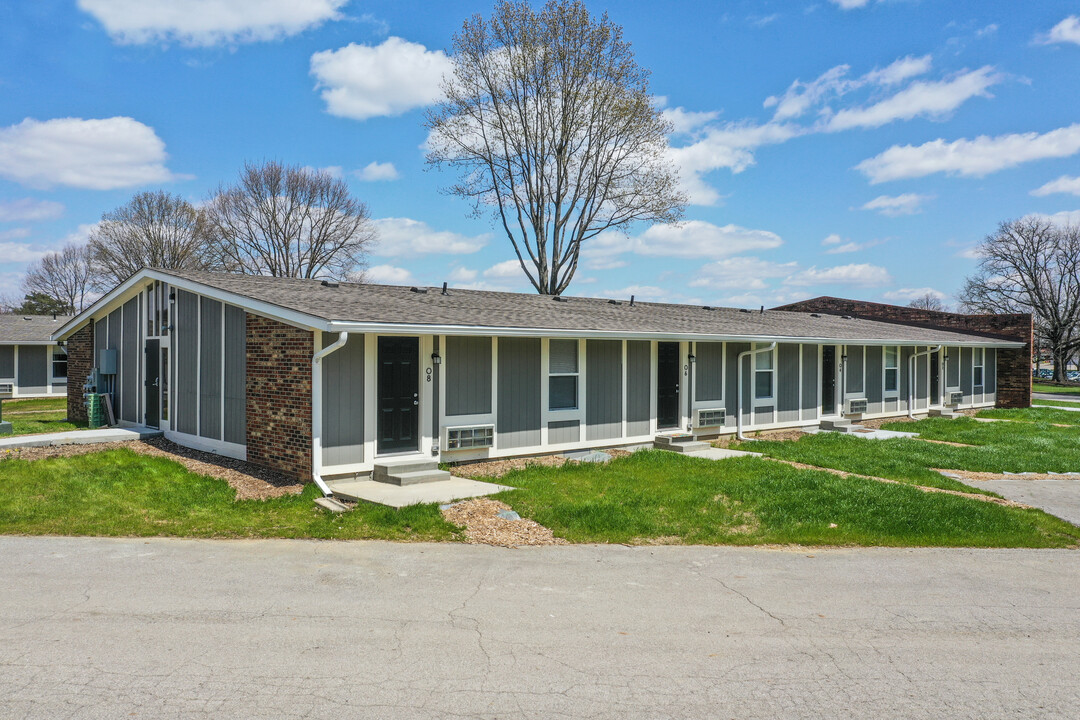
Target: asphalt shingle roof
x=361 y=303
x=29 y=328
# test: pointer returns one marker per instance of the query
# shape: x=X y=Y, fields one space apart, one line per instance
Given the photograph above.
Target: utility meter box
x=107 y=361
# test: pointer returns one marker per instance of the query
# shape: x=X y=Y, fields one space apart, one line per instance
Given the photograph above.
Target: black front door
x=667 y=385
x=153 y=378
x=828 y=379
x=399 y=394
x=935 y=378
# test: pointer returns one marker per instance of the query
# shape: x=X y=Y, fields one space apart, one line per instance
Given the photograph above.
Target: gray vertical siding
x=853 y=370
x=33 y=376
x=186 y=360
x=235 y=430
x=875 y=367
x=638 y=387
x=787 y=383
x=116 y=328
x=343 y=402
x=564 y=431
x=905 y=377
x=436 y=380
x=965 y=373
x=952 y=367
x=731 y=390
x=131 y=363
x=811 y=383
x=518 y=413
x=7 y=361
x=709 y=371
x=990 y=373
x=468 y=375
x=763 y=415
x=603 y=388
x=922 y=390
x=210 y=369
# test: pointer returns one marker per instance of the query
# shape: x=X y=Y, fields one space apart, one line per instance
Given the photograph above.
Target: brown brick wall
x=1013 y=366
x=279 y=396
x=80 y=353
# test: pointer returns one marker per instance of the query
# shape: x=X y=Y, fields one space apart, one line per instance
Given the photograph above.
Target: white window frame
x=772 y=355
x=59 y=379
x=885 y=368
x=578 y=405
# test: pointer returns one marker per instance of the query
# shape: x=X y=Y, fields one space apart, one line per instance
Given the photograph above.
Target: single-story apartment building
x=323 y=379
x=31 y=363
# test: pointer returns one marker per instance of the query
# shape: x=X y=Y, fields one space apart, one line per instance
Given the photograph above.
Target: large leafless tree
x=929 y=301
x=550 y=121
x=1032 y=265
x=290 y=221
x=155 y=229
x=64 y=275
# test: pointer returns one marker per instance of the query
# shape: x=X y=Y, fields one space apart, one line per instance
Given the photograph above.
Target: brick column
x=1013 y=365
x=80 y=361
x=278 y=389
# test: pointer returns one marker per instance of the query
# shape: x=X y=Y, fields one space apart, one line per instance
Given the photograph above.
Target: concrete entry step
x=680 y=443
x=409 y=472
x=944 y=413
x=838 y=425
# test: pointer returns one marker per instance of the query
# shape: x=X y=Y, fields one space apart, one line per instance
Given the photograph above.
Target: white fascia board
x=422 y=329
x=15 y=343
x=120 y=294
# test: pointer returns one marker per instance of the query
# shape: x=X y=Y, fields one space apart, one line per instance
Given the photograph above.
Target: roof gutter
x=316 y=411
x=738 y=420
x=911 y=382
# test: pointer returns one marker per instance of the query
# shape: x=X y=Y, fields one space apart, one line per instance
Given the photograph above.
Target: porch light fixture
x=692 y=358
x=436 y=359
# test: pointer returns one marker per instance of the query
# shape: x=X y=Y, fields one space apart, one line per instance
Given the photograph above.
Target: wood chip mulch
x=250 y=481
x=498 y=468
x=726 y=441
x=483 y=526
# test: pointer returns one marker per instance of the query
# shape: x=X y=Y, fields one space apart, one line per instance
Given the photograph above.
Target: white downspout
x=911 y=381
x=316 y=411
x=739 y=393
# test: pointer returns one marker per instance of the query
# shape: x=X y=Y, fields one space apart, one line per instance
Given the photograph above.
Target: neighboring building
x=310 y=377
x=31 y=363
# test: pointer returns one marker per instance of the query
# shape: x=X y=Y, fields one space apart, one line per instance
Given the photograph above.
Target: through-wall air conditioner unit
x=954 y=399
x=465 y=438
x=711 y=417
x=7 y=389
x=856 y=406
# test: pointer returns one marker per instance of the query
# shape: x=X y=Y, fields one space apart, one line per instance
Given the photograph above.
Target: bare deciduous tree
x=1032 y=265
x=155 y=229
x=550 y=120
x=929 y=301
x=289 y=221
x=65 y=275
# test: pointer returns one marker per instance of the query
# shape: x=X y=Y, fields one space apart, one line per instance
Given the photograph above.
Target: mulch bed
x=480 y=518
x=725 y=441
x=498 y=468
x=250 y=481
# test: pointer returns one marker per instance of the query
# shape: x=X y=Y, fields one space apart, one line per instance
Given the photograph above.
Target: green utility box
x=95 y=410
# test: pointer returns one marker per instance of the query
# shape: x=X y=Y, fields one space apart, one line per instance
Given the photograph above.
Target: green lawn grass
x=122 y=493
x=1033 y=414
x=1060 y=403
x=657 y=495
x=39 y=415
x=1057 y=389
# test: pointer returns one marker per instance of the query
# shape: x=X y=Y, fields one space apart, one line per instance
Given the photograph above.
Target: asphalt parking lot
x=105 y=628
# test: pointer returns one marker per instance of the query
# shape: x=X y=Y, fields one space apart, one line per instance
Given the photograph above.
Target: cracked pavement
x=105 y=628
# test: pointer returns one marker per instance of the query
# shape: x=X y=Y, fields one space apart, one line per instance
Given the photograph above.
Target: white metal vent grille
x=463 y=438
x=710 y=418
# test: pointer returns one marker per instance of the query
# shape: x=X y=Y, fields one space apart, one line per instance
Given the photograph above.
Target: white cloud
x=14 y=234
x=388 y=275
x=92 y=154
x=695 y=239
x=934 y=100
x=862 y=274
x=19 y=252
x=641 y=293
x=684 y=121
x=1065 y=217
x=838 y=245
x=800 y=96
x=403 y=236
x=1066 y=31
x=507 y=269
x=895 y=206
x=334 y=171
x=209 y=22
x=364 y=81
x=375 y=171
x=462 y=275
x=742 y=273
x=30 y=210
x=850 y=4
x=1064 y=184
x=972 y=158
x=900 y=70
x=906 y=295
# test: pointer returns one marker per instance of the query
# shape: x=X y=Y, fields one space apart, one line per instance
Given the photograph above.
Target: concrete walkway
x=152 y=628
x=78 y=437
x=1056 y=396
x=398 y=496
x=1059 y=496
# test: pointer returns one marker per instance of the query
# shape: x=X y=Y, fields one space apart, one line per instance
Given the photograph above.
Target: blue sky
x=847 y=147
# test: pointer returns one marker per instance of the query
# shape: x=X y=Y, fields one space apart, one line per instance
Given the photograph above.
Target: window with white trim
x=562 y=375
x=764 y=371
x=892 y=369
x=59 y=363
x=978 y=359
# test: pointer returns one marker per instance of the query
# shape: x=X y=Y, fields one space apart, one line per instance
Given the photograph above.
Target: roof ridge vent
x=558 y=298
x=614 y=302
x=815 y=315
x=330 y=284
x=846 y=317
x=444 y=290
x=745 y=310
x=418 y=290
